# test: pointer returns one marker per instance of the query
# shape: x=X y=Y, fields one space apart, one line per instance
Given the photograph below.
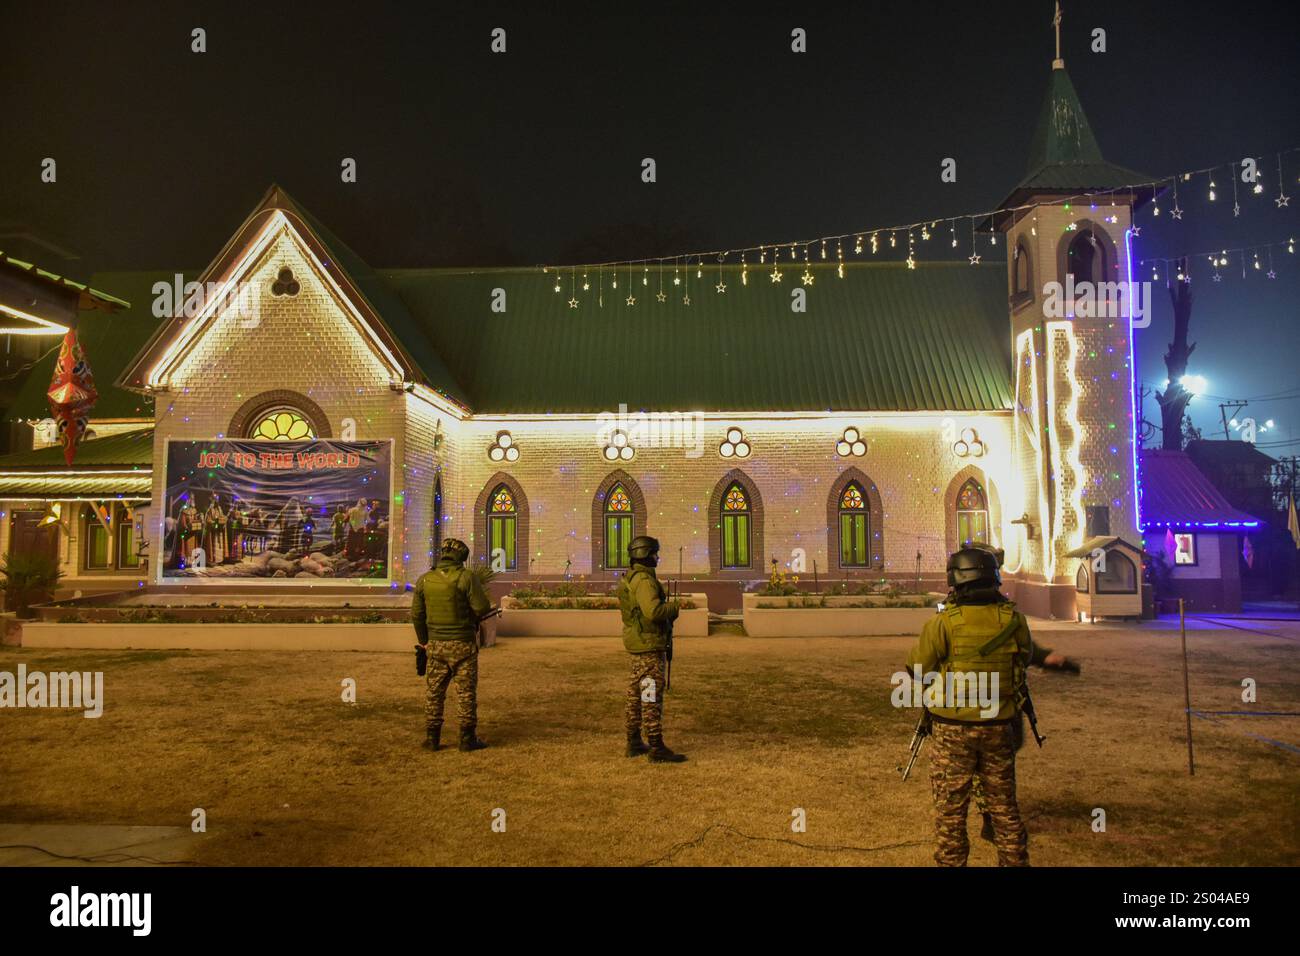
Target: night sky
x=466 y=157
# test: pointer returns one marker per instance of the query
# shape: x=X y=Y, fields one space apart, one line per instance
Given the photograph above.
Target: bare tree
x=1173 y=400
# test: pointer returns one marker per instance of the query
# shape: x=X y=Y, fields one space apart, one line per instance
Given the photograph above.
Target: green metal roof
x=110 y=342
x=883 y=338
x=97 y=298
x=124 y=450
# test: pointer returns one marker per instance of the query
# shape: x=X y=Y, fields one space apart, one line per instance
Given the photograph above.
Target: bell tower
x=1067 y=229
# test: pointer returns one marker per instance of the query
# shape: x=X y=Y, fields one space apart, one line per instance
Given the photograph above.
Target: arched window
x=1022 y=270
x=1119 y=575
x=735 y=527
x=854 y=527
x=502 y=523
x=282 y=424
x=1086 y=258
x=620 y=527
x=1081 y=579
x=972 y=514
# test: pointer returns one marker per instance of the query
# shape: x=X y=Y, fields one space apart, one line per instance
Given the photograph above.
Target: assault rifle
x=668 y=651
x=918 y=740
x=1028 y=707
x=478 y=625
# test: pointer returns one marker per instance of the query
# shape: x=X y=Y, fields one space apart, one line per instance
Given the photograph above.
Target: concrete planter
x=784 y=617
x=566 y=622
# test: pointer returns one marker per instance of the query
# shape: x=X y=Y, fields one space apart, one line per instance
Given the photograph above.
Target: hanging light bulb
x=1211 y=189
x=857 y=245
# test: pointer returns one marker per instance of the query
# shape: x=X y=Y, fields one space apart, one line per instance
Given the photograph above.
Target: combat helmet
x=643 y=547
x=455 y=549
x=974 y=564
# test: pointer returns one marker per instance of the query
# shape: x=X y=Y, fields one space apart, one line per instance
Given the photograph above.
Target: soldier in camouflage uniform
x=983 y=634
x=647 y=619
x=447 y=605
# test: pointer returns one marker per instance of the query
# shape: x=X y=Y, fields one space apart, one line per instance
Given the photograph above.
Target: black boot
x=469 y=740
x=661 y=754
x=635 y=746
x=986 y=830
x=432 y=736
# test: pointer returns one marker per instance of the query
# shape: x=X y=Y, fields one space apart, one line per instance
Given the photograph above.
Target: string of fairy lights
x=774 y=261
x=1253 y=258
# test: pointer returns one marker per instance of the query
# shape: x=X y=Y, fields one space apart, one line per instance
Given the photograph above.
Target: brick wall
x=305 y=343
x=792 y=466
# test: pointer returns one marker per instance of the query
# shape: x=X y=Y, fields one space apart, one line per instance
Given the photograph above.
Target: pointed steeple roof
x=1064 y=158
x=1064 y=155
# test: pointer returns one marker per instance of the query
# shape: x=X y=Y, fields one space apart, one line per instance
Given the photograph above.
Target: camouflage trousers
x=962 y=752
x=645 y=687
x=452 y=661
x=1018 y=739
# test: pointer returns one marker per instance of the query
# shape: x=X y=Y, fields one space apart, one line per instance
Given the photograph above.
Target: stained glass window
x=618 y=500
x=502 y=529
x=853 y=528
x=282 y=424
x=735 y=500
x=735 y=528
x=972 y=514
x=852 y=497
x=619 y=526
x=503 y=501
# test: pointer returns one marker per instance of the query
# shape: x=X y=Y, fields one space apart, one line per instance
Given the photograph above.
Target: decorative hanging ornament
x=72 y=394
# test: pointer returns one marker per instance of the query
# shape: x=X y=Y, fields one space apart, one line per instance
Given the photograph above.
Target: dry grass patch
x=289 y=774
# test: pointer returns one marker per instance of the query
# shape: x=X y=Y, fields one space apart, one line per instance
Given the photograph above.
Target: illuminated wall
x=1074 y=439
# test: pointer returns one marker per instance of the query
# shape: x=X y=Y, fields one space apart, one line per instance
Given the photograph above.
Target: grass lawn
x=289 y=774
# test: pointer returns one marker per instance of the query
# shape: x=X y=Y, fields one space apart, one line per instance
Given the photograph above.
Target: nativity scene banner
x=291 y=510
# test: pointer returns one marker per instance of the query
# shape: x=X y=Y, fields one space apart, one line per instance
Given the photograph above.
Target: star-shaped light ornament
x=1272 y=274
x=807 y=277
x=1282 y=200
x=1216 y=278
x=775 y=274
x=721 y=287
x=1176 y=213
x=975 y=259
x=1137 y=230
x=631 y=300
x=661 y=296
x=686 y=299
x=573 y=303
x=911 y=263
x=1236 y=210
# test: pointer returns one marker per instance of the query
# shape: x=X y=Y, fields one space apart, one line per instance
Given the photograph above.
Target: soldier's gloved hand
x=673 y=610
x=1059 y=662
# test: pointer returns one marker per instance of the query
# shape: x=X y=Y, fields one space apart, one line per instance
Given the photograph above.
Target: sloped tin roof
x=110 y=342
x=885 y=337
x=1176 y=494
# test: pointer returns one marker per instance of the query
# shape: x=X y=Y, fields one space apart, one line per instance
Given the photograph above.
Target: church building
x=299 y=418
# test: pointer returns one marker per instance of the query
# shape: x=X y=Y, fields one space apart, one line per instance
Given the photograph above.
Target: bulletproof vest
x=985 y=639
x=446 y=604
x=639 y=635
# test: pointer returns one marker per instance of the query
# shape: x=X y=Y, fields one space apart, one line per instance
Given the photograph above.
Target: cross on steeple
x=1058 y=63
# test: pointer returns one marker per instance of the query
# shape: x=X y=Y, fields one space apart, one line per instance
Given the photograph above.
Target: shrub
x=28 y=579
